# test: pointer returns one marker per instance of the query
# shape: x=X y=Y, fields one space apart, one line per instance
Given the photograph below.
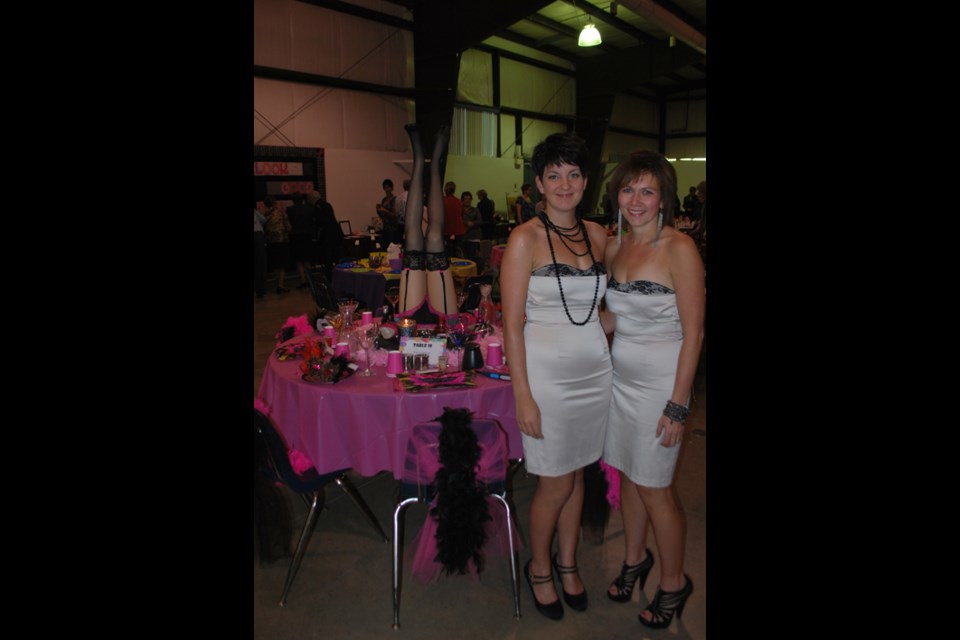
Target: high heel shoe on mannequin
x=576 y=602
x=665 y=604
x=554 y=610
x=629 y=574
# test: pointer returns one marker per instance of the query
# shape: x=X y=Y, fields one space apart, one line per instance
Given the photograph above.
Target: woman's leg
x=440 y=289
x=413 y=284
x=668 y=528
x=634 y=516
x=568 y=535
x=546 y=509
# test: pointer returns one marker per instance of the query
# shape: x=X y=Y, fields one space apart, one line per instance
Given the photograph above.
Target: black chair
x=321 y=289
x=309 y=485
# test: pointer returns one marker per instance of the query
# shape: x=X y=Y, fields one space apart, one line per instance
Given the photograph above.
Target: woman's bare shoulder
x=524 y=232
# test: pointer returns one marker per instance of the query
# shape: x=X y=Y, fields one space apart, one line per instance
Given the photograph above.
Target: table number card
x=433 y=347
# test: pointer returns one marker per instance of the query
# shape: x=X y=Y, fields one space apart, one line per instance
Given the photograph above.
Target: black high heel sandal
x=577 y=602
x=554 y=610
x=629 y=574
x=665 y=604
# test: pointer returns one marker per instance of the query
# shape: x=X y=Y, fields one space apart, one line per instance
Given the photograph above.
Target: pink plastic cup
x=394 y=363
x=494 y=354
x=343 y=349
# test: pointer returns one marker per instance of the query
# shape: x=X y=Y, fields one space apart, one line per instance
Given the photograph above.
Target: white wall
x=497 y=175
x=354 y=179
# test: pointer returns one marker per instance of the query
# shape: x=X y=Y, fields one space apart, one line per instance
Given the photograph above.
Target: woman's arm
x=686 y=269
x=608 y=319
x=514 y=282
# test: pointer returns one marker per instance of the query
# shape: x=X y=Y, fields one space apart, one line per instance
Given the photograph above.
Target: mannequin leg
x=413 y=284
x=440 y=289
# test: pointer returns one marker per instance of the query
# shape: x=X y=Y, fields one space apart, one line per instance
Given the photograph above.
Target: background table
x=362 y=423
x=360 y=245
x=366 y=286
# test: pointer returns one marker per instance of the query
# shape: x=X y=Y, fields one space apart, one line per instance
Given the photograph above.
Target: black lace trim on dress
x=566 y=270
x=645 y=287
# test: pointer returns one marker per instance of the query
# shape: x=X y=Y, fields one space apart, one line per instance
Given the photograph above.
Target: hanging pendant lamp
x=589 y=37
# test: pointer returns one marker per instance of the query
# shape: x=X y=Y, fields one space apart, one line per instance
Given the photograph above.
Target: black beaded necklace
x=547 y=225
x=564 y=234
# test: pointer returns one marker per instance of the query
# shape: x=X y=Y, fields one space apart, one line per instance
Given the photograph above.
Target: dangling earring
x=619 y=225
x=659 y=227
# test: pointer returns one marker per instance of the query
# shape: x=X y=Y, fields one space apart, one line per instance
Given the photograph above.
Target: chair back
x=321 y=290
x=422 y=459
x=278 y=453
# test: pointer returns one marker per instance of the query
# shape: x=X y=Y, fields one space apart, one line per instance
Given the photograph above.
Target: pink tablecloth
x=362 y=423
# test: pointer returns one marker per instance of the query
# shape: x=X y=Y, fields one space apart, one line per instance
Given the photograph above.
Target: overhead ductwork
x=668 y=22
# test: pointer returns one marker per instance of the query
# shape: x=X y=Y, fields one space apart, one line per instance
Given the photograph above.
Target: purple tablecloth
x=362 y=423
x=367 y=287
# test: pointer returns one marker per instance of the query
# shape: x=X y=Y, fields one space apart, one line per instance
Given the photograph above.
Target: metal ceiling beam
x=473 y=22
x=361 y=12
x=559 y=27
x=669 y=22
x=535 y=44
x=300 y=77
x=678 y=11
x=533 y=62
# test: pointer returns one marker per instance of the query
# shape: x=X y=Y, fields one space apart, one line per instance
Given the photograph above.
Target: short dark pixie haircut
x=639 y=163
x=561 y=148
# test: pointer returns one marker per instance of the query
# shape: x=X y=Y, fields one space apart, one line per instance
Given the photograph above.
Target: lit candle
x=407 y=327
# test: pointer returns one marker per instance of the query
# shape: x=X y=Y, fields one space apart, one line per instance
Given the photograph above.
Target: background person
x=303 y=228
x=277 y=229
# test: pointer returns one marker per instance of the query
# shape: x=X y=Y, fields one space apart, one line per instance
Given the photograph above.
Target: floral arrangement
x=320 y=366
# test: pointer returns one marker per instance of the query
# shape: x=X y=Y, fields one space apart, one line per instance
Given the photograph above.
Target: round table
x=361 y=422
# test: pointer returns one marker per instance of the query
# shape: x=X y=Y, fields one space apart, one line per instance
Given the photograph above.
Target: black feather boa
x=461 y=508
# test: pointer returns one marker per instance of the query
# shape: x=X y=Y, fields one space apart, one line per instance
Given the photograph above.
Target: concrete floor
x=343 y=589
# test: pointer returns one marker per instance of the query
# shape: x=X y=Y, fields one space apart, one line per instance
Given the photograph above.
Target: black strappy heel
x=665 y=604
x=629 y=574
x=554 y=610
x=577 y=602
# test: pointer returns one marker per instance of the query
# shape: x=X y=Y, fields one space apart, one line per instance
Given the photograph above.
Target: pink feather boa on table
x=613 y=485
x=300 y=461
x=301 y=327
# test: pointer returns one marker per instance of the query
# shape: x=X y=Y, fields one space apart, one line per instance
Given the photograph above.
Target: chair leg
x=397 y=547
x=351 y=490
x=315 y=507
x=513 y=556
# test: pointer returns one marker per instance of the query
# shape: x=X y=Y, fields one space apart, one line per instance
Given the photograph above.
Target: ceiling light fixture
x=589 y=37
